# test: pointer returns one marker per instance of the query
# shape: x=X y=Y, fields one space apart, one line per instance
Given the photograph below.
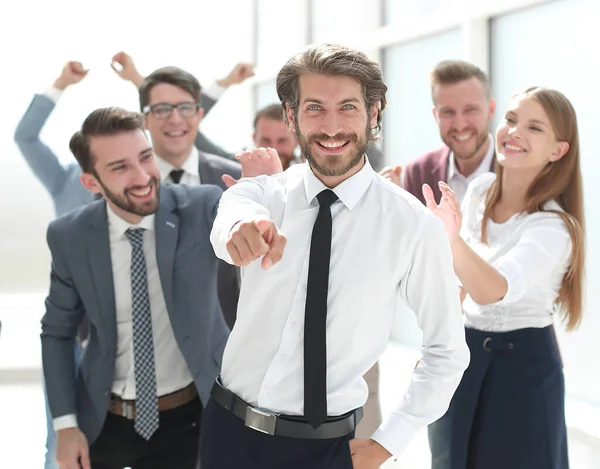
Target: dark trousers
x=227 y=443
x=508 y=411
x=174 y=445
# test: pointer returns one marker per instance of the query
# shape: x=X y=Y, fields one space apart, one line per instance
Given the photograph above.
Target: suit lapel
x=98 y=248
x=207 y=175
x=167 y=235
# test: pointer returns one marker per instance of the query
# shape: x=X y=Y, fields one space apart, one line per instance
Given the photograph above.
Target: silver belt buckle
x=127 y=410
x=261 y=420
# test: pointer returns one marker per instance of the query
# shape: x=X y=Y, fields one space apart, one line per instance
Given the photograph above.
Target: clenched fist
x=73 y=72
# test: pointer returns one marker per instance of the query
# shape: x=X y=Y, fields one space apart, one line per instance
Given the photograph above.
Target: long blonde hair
x=560 y=181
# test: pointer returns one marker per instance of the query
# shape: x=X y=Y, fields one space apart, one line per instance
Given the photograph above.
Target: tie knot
x=136 y=236
x=176 y=175
x=326 y=198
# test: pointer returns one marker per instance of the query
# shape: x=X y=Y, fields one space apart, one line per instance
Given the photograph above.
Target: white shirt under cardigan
x=171 y=369
x=533 y=253
x=385 y=245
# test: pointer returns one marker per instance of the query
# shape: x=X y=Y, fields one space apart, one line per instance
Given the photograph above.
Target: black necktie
x=315 y=315
x=176 y=175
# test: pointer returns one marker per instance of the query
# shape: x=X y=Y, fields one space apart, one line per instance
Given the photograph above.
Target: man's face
x=125 y=173
x=274 y=133
x=172 y=137
x=332 y=123
x=463 y=112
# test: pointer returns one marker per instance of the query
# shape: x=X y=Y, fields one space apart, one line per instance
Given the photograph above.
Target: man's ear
x=290 y=117
x=90 y=182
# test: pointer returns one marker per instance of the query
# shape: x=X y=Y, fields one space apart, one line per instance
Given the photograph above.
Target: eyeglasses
x=164 y=110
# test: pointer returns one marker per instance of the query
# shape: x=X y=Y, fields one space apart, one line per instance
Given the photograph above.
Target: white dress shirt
x=533 y=253
x=172 y=372
x=191 y=174
x=457 y=182
x=385 y=246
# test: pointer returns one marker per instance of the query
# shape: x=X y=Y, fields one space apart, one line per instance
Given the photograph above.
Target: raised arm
x=40 y=158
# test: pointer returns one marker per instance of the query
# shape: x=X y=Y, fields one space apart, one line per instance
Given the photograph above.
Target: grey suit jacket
x=211 y=169
x=82 y=285
x=62 y=181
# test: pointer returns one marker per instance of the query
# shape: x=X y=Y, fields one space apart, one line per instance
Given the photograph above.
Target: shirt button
x=268 y=390
x=294 y=324
x=305 y=288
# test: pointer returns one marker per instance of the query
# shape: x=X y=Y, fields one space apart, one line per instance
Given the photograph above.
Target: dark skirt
x=508 y=411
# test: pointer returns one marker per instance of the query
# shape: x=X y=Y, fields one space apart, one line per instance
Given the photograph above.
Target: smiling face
x=172 y=137
x=525 y=138
x=125 y=173
x=463 y=112
x=332 y=125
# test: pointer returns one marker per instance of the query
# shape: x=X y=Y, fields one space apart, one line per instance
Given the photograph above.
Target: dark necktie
x=315 y=314
x=176 y=175
x=146 y=400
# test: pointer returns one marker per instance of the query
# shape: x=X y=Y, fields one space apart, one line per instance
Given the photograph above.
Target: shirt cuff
x=214 y=91
x=394 y=435
x=66 y=421
x=53 y=93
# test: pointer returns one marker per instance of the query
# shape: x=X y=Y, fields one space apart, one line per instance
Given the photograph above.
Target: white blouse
x=533 y=253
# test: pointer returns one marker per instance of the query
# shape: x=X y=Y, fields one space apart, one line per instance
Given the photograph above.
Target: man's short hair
x=450 y=72
x=103 y=121
x=272 y=111
x=172 y=76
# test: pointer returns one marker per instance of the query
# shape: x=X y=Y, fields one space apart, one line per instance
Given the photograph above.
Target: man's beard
x=479 y=143
x=123 y=202
x=333 y=165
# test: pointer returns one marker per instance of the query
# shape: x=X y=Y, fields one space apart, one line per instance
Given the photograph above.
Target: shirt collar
x=349 y=191
x=117 y=226
x=483 y=167
x=190 y=165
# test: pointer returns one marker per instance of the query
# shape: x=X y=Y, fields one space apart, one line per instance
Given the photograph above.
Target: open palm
x=448 y=210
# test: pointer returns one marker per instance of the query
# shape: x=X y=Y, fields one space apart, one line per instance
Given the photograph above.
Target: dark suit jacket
x=429 y=168
x=211 y=169
x=81 y=284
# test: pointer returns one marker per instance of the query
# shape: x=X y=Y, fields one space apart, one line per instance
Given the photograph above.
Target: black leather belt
x=292 y=426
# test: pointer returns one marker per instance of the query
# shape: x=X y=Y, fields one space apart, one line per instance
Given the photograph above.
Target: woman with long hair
x=518 y=247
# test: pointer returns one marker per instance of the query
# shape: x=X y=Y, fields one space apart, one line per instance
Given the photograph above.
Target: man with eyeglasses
x=170 y=100
x=124 y=66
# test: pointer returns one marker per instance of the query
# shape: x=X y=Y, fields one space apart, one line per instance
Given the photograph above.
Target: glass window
x=339 y=21
x=409 y=127
x=400 y=12
x=559 y=53
x=265 y=94
x=280 y=31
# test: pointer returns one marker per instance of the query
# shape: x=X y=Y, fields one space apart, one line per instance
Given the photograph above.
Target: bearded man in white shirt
x=326 y=249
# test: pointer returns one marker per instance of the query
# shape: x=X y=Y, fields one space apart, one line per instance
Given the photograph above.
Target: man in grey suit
x=142 y=269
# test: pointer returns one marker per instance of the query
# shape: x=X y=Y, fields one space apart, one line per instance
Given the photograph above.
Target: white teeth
x=142 y=193
x=513 y=147
x=175 y=134
x=462 y=138
x=333 y=144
